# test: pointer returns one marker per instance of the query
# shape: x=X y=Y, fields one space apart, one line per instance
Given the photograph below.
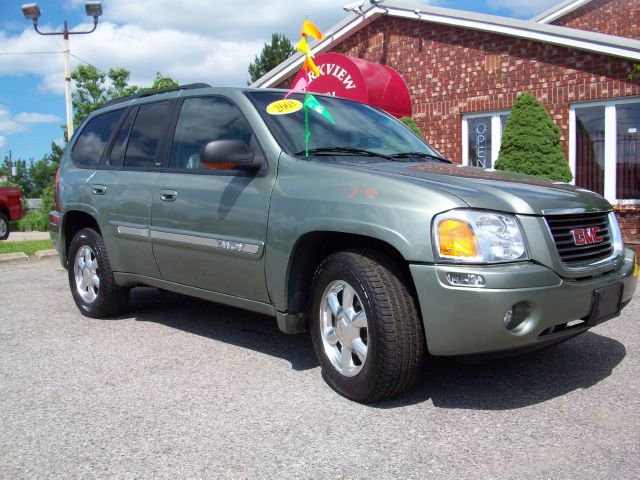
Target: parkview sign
x=358 y=79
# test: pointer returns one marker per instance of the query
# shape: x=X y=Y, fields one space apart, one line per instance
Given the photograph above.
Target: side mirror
x=228 y=155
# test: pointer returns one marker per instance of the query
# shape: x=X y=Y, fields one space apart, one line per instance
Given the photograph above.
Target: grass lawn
x=27 y=246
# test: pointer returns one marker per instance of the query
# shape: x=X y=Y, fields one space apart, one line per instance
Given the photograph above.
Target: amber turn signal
x=457 y=239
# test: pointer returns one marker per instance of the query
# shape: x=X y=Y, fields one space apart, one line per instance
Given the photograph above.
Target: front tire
x=4 y=226
x=365 y=326
x=90 y=277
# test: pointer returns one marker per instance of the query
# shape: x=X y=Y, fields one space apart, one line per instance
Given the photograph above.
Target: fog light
x=466 y=279
x=516 y=318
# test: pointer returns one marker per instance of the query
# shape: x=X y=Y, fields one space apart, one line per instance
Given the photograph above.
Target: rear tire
x=4 y=226
x=365 y=326
x=90 y=277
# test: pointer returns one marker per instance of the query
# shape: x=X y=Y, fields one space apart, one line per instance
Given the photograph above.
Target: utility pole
x=10 y=170
x=93 y=9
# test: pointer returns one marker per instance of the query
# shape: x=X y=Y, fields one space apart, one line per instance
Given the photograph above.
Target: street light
x=32 y=12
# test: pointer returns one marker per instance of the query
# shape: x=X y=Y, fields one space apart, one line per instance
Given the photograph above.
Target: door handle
x=168 y=195
x=98 y=189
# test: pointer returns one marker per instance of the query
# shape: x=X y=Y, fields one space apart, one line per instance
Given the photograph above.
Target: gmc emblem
x=586 y=236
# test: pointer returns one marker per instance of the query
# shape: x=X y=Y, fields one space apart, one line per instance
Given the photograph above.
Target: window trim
x=161 y=152
x=496 y=133
x=610 y=144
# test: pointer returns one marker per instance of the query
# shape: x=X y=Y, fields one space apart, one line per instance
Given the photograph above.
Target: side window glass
x=94 y=138
x=146 y=135
x=205 y=119
x=116 y=157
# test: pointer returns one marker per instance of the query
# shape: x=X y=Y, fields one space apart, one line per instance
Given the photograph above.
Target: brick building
x=464 y=71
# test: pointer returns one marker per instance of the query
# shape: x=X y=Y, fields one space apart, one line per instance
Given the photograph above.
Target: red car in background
x=10 y=208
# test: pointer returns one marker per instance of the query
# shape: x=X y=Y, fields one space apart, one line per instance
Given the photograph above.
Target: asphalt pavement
x=182 y=388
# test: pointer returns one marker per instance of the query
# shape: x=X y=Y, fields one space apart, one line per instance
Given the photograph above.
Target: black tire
x=394 y=337
x=4 y=226
x=87 y=260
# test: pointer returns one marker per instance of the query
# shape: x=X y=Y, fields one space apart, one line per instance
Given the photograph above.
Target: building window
x=481 y=137
x=604 y=148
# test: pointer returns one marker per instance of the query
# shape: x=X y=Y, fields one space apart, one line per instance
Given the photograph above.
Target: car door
x=209 y=226
x=121 y=190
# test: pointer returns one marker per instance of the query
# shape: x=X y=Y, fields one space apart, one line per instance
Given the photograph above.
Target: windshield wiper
x=430 y=156
x=343 y=150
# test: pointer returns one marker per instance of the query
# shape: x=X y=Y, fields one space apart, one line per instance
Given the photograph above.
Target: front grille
x=562 y=227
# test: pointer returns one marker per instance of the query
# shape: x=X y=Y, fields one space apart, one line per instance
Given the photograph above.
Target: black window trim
x=103 y=161
x=162 y=143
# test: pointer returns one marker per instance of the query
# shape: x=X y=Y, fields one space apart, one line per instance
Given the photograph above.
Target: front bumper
x=465 y=320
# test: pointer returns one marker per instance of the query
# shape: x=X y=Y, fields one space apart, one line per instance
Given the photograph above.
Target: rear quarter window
x=94 y=138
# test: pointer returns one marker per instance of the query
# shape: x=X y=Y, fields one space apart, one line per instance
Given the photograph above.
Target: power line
x=28 y=53
x=91 y=65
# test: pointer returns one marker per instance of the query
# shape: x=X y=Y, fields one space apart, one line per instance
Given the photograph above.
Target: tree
x=635 y=72
x=531 y=142
x=408 y=121
x=21 y=178
x=43 y=172
x=162 y=82
x=94 y=88
x=272 y=55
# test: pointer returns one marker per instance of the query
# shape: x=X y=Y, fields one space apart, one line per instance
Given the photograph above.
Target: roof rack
x=126 y=98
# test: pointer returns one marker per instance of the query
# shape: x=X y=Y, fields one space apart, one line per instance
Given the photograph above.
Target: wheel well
x=314 y=247
x=73 y=223
x=4 y=210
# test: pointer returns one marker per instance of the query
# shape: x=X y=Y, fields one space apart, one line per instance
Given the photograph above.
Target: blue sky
x=209 y=41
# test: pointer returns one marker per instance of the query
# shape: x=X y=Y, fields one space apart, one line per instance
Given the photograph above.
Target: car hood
x=496 y=190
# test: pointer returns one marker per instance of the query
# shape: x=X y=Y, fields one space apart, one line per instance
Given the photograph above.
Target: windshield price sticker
x=284 y=107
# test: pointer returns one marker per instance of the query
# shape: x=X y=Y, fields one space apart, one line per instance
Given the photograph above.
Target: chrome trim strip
x=573 y=211
x=132 y=232
x=231 y=246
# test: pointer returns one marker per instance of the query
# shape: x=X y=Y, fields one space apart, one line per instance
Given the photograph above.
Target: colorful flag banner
x=311 y=102
x=308 y=28
x=309 y=64
x=303 y=46
x=300 y=86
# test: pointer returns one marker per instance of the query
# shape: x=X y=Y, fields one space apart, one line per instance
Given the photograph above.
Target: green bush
x=34 y=221
x=408 y=121
x=531 y=142
x=48 y=200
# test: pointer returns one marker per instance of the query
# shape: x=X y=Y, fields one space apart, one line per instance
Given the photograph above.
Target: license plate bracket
x=606 y=304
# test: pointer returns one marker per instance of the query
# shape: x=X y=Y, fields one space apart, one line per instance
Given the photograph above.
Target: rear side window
x=116 y=157
x=146 y=136
x=202 y=120
x=94 y=138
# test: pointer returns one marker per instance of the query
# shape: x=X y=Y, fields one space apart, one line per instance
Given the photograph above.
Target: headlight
x=472 y=236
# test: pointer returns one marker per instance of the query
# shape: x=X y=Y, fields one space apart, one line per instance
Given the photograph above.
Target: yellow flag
x=303 y=46
x=309 y=28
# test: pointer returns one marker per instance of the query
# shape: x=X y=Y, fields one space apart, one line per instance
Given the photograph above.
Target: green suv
x=333 y=216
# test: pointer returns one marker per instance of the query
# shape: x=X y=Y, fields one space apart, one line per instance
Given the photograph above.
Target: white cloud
x=523 y=8
x=3 y=141
x=26 y=117
x=189 y=40
x=223 y=19
x=21 y=122
x=9 y=125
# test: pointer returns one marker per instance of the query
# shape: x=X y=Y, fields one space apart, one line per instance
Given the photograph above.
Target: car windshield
x=359 y=130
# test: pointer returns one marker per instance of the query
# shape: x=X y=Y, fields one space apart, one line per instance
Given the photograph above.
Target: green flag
x=311 y=102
